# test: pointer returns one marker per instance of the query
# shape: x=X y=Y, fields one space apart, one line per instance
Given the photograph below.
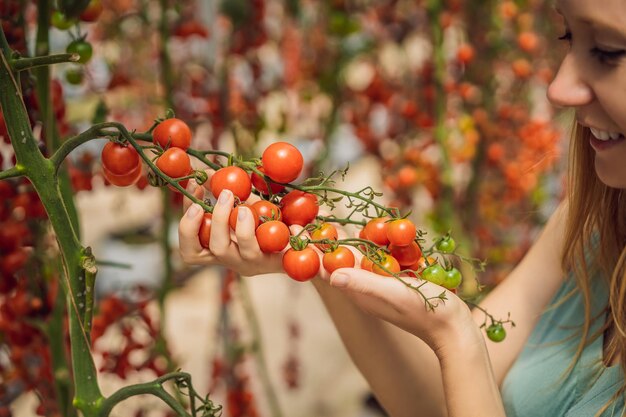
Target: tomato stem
x=22 y=64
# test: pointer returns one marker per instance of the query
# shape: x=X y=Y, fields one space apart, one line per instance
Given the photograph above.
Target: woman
x=566 y=356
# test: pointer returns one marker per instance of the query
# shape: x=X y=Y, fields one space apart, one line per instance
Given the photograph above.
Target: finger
x=245 y=233
x=220 y=242
x=188 y=232
x=397 y=297
x=194 y=190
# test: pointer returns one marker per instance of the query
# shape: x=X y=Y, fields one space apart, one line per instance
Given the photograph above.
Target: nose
x=568 y=89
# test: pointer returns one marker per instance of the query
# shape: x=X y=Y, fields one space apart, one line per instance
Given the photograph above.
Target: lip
x=601 y=145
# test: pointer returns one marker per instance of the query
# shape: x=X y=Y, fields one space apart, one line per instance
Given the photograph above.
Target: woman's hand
x=446 y=326
x=237 y=250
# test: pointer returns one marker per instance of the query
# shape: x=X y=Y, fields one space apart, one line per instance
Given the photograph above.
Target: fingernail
x=339 y=280
x=193 y=210
x=242 y=213
x=192 y=187
x=224 y=196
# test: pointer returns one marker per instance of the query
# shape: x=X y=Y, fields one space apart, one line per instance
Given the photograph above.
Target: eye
x=607 y=57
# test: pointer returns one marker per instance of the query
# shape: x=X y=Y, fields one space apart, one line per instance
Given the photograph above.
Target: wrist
x=461 y=334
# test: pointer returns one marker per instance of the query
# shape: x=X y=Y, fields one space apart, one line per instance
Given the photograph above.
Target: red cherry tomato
x=259 y=183
x=123 y=180
x=341 y=257
x=376 y=231
x=366 y=264
x=389 y=263
x=172 y=133
x=232 y=219
x=231 y=178
x=301 y=265
x=282 y=162
x=325 y=231
x=119 y=159
x=406 y=255
x=204 y=234
x=401 y=232
x=92 y=12
x=174 y=163
x=299 y=208
x=272 y=236
x=268 y=210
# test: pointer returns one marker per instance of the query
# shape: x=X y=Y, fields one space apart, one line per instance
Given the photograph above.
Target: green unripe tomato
x=60 y=21
x=82 y=48
x=446 y=245
x=453 y=278
x=496 y=332
x=74 y=76
x=435 y=274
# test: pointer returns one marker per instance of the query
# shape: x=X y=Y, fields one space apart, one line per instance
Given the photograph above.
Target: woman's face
x=592 y=79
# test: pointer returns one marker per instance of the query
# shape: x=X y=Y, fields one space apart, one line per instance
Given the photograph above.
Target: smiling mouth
x=605 y=135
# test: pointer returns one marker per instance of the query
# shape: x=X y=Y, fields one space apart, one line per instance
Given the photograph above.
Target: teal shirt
x=535 y=386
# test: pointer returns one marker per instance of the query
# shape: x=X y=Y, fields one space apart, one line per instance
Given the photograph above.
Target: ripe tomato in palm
x=234 y=179
x=172 y=133
x=376 y=231
x=341 y=257
x=123 y=180
x=401 y=232
x=299 y=208
x=366 y=263
x=406 y=255
x=324 y=231
x=204 y=234
x=119 y=159
x=260 y=184
x=301 y=265
x=174 y=162
x=282 y=162
x=389 y=263
x=272 y=236
x=234 y=213
x=267 y=210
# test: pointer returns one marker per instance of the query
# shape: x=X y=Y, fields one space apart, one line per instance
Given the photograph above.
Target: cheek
x=610 y=91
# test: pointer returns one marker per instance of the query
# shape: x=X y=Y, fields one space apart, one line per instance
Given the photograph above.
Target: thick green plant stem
x=42 y=73
x=41 y=173
x=446 y=203
x=62 y=376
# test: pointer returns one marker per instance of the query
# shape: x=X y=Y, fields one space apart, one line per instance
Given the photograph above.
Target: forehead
x=601 y=13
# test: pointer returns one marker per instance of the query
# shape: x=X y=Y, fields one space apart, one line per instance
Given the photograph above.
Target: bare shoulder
x=526 y=291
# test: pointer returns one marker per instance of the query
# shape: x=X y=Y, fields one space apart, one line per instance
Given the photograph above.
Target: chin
x=610 y=177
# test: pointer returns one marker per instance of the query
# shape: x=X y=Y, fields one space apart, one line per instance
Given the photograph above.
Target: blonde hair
x=595 y=208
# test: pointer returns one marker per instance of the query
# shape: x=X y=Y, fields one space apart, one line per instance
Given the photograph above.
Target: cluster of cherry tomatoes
x=390 y=245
